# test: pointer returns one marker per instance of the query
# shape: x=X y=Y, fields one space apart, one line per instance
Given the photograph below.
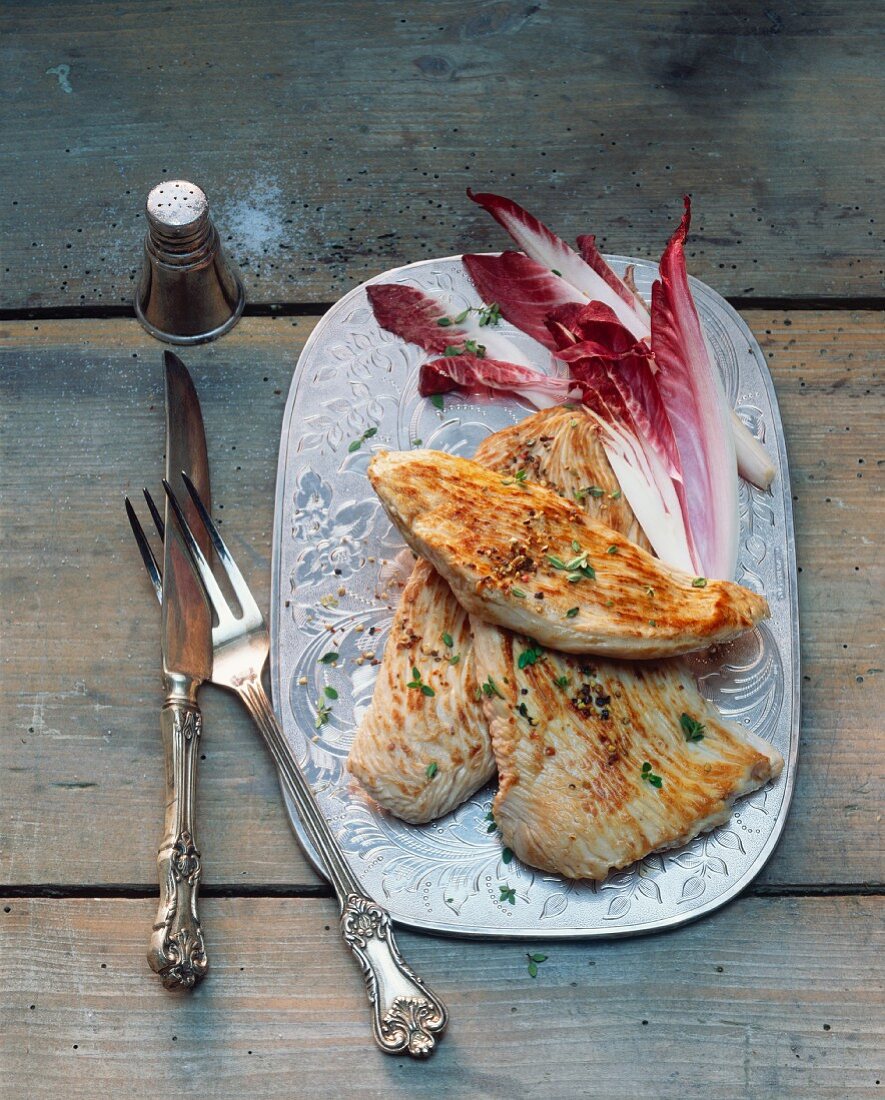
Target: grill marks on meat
x=571 y=735
x=474 y=526
x=421 y=755
x=405 y=731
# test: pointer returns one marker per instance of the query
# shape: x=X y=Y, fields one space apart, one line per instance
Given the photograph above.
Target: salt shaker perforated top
x=187 y=293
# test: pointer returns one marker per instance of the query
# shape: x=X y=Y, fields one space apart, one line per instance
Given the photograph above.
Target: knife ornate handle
x=407 y=1017
x=177 y=952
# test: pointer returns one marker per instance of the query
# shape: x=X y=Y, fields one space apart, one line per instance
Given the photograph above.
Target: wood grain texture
x=336 y=139
x=81 y=763
x=769 y=1000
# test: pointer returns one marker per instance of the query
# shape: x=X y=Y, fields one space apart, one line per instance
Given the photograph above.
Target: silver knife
x=177 y=951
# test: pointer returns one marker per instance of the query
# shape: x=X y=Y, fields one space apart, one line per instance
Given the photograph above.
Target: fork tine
x=238 y=582
x=198 y=560
x=155 y=515
x=147 y=555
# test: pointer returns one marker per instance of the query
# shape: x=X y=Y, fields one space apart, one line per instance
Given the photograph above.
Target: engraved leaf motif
x=727 y=839
x=554 y=906
x=692 y=888
x=650 y=889
x=618 y=906
x=716 y=866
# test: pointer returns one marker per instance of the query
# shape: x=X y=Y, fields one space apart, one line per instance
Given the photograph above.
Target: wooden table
x=335 y=140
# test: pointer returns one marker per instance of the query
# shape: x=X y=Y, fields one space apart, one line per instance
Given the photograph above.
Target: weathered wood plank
x=81 y=760
x=336 y=139
x=769 y=1000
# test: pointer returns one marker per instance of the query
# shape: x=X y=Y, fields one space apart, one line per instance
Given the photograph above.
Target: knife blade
x=177 y=950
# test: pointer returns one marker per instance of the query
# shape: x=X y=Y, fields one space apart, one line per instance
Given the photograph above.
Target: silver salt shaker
x=187 y=292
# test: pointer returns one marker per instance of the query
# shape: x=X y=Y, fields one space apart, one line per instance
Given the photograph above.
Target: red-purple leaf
x=525 y=292
x=412 y=315
x=698 y=412
x=492 y=377
x=551 y=252
x=592 y=256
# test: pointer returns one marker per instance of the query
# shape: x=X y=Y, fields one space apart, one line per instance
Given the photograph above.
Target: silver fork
x=407 y=1017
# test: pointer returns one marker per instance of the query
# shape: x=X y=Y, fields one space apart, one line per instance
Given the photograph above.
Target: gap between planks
x=317 y=309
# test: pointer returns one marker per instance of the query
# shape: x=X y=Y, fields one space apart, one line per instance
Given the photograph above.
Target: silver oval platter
x=337 y=570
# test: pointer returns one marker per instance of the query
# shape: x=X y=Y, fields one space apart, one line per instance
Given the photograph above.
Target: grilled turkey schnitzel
x=419 y=756
x=601 y=762
x=518 y=555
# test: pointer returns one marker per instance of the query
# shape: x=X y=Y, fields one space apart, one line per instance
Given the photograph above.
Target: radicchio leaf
x=698 y=412
x=487 y=377
x=412 y=315
x=525 y=292
x=551 y=252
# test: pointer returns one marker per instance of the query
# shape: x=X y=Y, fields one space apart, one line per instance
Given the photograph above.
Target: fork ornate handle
x=406 y=1015
x=177 y=952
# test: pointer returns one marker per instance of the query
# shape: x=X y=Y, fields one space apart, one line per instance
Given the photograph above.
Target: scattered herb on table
x=506 y=856
x=535 y=959
x=417 y=442
x=328 y=658
x=489 y=315
x=330 y=692
x=323 y=713
x=507 y=893
x=493 y=825
x=436 y=400
x=692 y=728
x=649 y=776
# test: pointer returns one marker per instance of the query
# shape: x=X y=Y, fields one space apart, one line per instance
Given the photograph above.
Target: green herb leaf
x=530 y=657
x=613 y=550
x=432 y=769
x=490 y=688
x=556 y=562
x=561 y=681
x=518 y=592
x=699 y=582
x=416 y=675
x=533 y=970
x=323 y=712
x=462 y=317
x=426 y=689
x=649 y=776
x=506 y=856
x=595 y=491
x=524 y=711
x=538 y=958
x=369 y=432
x=330 y=692
x=444 y=322
x=489 y=315
x=616 y=495
x=328 y=658
x=576 y=546
x=436 y=400
x=355 y=446
x=507 y=893
x=455 y=659
x=493 y=828
x=447 y=640
x=521 y=476
x=417 y=442
x=555 y=272
x=692 y=728
x=572 y=611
